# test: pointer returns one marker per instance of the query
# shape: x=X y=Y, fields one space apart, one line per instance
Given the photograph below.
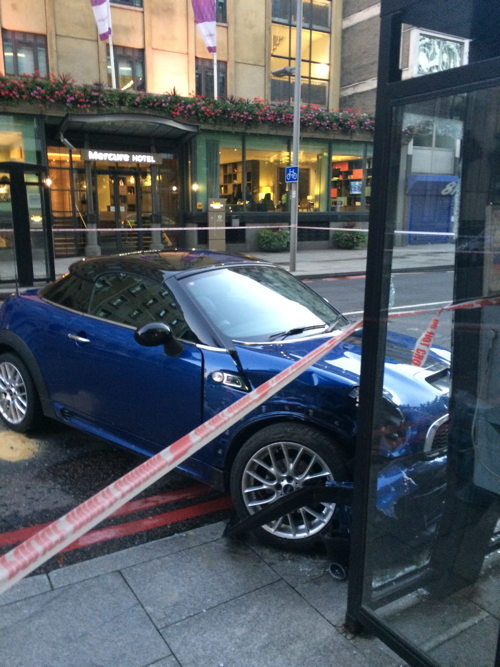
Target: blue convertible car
x=141 y=348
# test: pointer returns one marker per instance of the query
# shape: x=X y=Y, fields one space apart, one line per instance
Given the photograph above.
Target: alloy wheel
x=13 y=394
x=278 y=469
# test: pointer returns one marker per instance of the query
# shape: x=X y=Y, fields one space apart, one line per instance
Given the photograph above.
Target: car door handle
x=78 y=339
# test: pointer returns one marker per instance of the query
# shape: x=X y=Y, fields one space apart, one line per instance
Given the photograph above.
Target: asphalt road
x=425 y=290
x=45 y=474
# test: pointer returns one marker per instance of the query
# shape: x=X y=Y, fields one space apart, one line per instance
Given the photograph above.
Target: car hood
x=403 y=382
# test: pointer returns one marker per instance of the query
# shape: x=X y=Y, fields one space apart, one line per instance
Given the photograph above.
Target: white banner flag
x=102 y=15
x=204 y=17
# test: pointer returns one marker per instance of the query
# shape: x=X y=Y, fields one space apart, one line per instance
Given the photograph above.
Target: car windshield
x=261 y=303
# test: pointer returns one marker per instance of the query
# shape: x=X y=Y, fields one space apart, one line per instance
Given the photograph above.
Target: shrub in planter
x=348 y=240
x=273 y=239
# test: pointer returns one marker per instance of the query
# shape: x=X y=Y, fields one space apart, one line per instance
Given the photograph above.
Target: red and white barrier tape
x=194 y=228
x=424 y=343
x=29 y=555
x=50 y=540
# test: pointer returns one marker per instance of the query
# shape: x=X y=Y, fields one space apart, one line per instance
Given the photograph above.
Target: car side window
x=69 y=291
x=135 y=300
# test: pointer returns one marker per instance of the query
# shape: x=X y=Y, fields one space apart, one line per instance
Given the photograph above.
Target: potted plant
x=274 y=239
x=350 y=239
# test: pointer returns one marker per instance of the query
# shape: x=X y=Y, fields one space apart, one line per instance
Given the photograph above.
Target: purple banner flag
x=102 y=15
x=204 y=17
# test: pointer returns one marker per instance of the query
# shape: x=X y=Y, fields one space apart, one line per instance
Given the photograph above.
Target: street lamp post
x=294 y=184
x=294 y=190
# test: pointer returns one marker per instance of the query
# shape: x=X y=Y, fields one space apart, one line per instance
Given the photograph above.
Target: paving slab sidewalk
x=194 y=599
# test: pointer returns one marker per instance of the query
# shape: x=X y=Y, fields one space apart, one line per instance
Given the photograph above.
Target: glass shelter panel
x=432 y=564
x=7 y=246
x=37 y=226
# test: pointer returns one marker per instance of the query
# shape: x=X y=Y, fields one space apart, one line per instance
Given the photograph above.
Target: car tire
x=20 y=408
x=309 y=455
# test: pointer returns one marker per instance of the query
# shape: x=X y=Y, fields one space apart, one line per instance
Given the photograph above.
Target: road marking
x=331 y=278
x=150 y=522
x=16 y=536
x=409 y=306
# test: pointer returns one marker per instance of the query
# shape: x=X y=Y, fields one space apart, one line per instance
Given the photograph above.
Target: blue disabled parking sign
x=291 y=174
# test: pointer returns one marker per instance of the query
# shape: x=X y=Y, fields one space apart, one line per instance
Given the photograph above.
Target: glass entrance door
x=124 y=210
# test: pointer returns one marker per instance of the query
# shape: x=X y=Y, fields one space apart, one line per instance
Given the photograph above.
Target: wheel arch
x=250 y=428
x=10 y=342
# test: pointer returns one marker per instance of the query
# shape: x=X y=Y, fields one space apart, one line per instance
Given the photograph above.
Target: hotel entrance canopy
x=138 y=125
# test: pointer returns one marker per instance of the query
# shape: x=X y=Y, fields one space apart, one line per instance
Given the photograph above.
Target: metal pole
x=112 y=61
x=294 y=189
x=216 y=94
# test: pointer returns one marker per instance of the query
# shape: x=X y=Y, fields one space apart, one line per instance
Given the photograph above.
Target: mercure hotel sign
x=121 y=156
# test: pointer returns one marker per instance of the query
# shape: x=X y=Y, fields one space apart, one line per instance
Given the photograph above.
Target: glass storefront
x=267 y=158
x=101 y=205
x=248 y=171
x=20 y=139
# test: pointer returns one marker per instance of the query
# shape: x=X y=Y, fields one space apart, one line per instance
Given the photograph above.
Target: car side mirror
x=158 y=333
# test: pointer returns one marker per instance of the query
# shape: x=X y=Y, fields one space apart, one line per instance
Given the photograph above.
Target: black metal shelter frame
x=477 y=20
x=20 y=175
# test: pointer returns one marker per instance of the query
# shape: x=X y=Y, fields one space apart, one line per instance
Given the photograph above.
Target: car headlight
x=394 y=429
x=393 y=432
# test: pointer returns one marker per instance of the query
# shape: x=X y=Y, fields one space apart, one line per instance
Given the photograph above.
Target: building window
x=129 y=3
x=253 y=179
x=129 y=68
x=220 y=8
x=205 y=77
x=24 y=53
x=315 y=61
x=351 y=177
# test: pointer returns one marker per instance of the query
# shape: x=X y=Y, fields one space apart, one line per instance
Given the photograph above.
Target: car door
x=113 y=384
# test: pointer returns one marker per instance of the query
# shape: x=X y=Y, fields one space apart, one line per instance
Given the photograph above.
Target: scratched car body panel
x=139 y=349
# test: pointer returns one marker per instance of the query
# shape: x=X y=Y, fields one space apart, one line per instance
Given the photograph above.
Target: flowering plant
x=47 y=91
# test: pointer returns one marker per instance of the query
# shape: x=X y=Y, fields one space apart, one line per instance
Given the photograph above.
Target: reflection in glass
x=436 y=54
x=432 y=564
x=37 y=231
x=7 y=249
